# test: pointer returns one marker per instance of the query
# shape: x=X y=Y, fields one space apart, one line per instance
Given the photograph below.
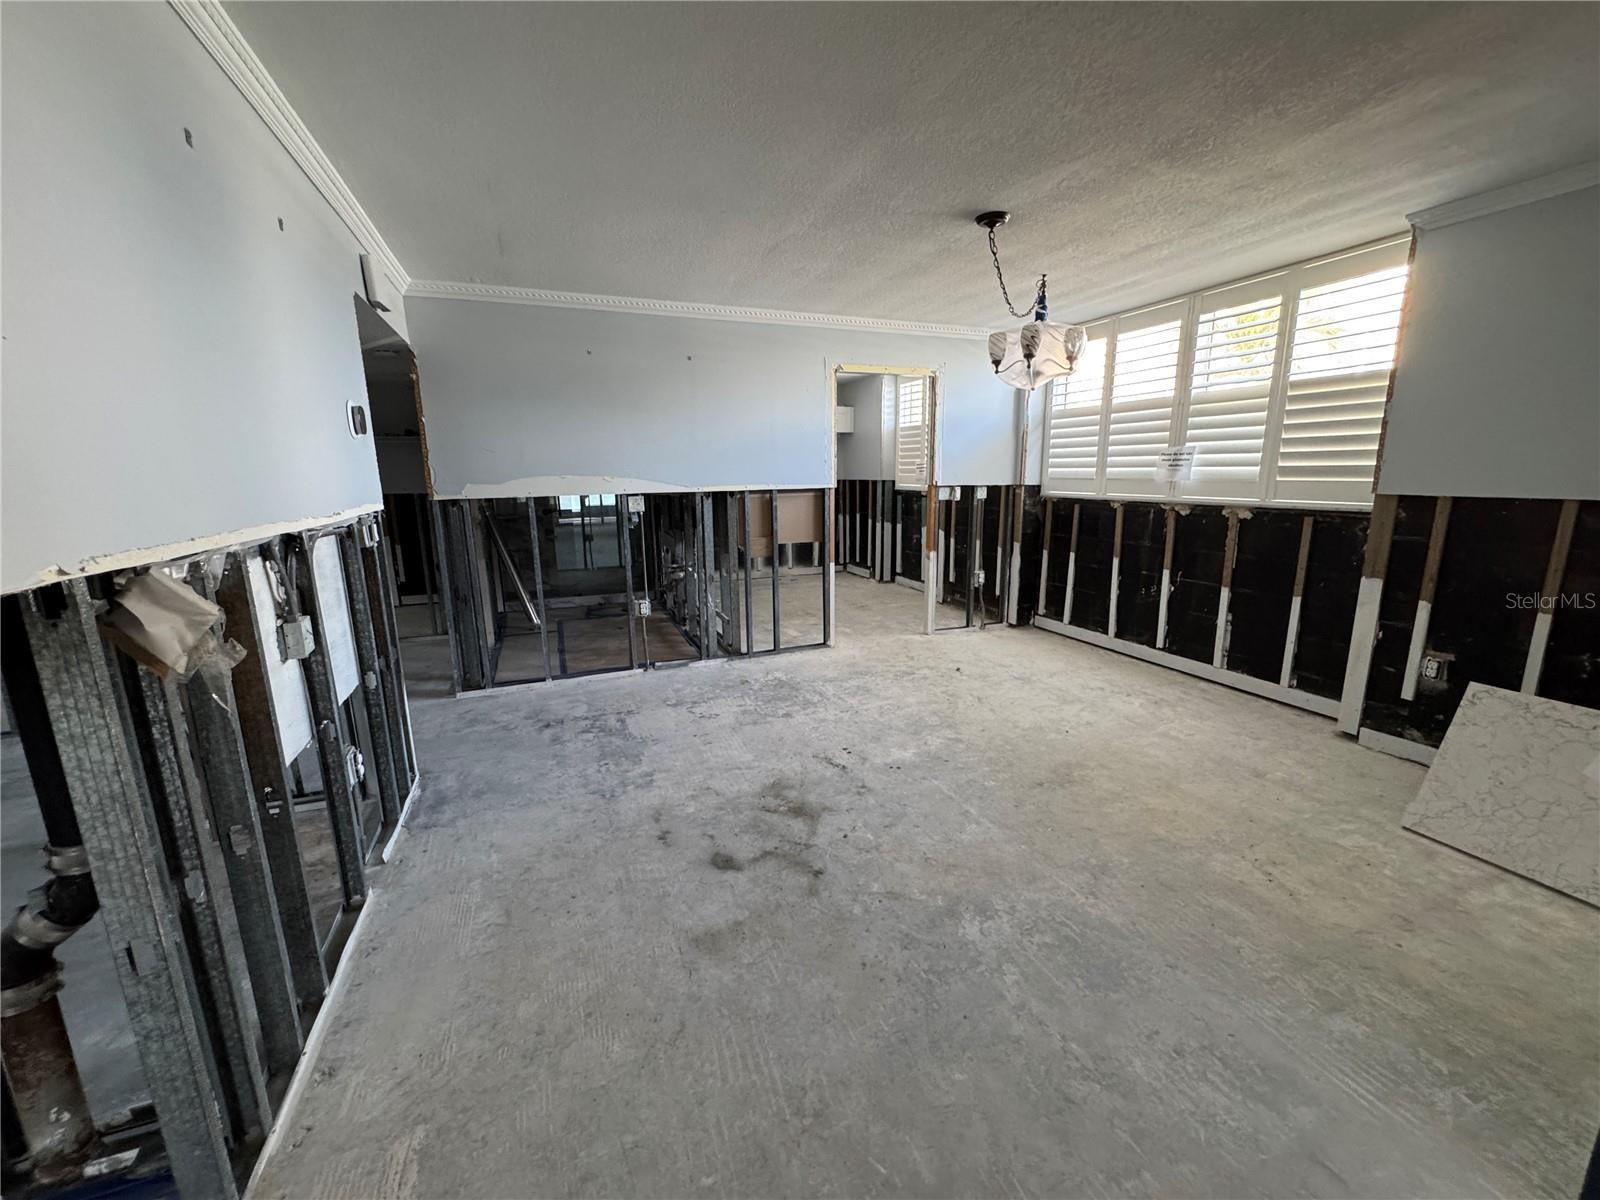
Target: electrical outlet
x=295 y=639
x=644 y=608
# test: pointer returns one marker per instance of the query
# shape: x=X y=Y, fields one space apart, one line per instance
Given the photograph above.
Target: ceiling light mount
x=1041 y=350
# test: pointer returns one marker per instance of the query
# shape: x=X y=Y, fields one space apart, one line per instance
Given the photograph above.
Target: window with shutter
x=1230 y=393
x=1346 y=324
x=1076 y=402
x=911 y=433
x=1144 y=388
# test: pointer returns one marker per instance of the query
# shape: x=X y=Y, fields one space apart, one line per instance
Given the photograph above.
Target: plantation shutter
x=1076 y=401
x=1346 y=324
x=911 y=433
x=1144 y=387
x=1230 y=393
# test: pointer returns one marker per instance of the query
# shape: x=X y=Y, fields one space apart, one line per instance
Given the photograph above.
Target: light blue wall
x=176 y=367
x=533 y=400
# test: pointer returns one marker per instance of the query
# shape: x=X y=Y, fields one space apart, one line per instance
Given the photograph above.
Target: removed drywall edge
x=542 y=297
x=1387 y=743
x=575 y=485
x=144 y=556
x=214 y=30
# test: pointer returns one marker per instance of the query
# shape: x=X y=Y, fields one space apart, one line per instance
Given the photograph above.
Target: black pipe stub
x=992 y=220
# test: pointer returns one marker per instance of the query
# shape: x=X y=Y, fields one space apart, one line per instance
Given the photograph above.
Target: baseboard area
x=1321 y=705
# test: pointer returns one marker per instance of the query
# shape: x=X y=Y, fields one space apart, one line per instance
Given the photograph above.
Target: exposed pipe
x=40 y=1069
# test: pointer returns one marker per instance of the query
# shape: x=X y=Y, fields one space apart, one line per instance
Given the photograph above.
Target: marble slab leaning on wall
x=1517 y=782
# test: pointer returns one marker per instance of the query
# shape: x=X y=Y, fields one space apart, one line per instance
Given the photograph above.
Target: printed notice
x=1175 y=463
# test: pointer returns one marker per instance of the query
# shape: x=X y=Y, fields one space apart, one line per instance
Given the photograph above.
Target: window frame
x=1267 y=490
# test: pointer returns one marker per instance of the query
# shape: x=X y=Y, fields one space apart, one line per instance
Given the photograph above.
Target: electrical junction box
x=636 y=503
x=295 y=639
x=844 y=419
x=644 y=608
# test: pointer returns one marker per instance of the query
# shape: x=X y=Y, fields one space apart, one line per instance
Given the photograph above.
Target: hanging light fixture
x=1041 y=350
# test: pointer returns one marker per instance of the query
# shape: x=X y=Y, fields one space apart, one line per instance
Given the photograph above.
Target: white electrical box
x=295 y=639
x=844 y=419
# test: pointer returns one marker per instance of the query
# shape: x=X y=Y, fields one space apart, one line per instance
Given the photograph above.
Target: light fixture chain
x=994 y=253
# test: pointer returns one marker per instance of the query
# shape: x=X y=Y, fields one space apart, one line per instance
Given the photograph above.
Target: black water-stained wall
x=1032 y=543
x=1055 y=591
x=1572 y=657
x=1397 y=610
x=1091 y=584
x=1198 y=545
x=1263 y=583
x=1328 y=603
x=1144 y=538
x=1495 y=553
x=995 y=550
x=1262 y=592
x=908 y=540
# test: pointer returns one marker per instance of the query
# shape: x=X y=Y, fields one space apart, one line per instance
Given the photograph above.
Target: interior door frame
x=930 y=552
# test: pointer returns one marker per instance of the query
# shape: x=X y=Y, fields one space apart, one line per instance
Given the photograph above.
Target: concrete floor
x=983 y=914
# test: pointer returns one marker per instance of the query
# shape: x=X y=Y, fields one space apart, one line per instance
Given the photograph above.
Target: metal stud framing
x=88 y=712
x=384 y=749
x=195 y=858
x=256 y=713
x=212 y=712
x=331 y=745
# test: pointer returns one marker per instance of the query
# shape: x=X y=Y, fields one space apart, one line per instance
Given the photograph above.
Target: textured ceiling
x=829 y=157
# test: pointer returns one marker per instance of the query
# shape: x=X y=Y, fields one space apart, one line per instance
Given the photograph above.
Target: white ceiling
x=829 y=157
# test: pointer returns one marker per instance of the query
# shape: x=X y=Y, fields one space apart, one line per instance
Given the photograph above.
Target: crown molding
x=1557 y=183
x=544 y=298
x=221 y=38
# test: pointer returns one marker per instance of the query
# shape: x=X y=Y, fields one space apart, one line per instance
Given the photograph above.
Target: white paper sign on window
x=1175 y=463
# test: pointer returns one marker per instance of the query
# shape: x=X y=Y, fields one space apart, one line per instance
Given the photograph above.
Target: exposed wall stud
x=777 y=631
x=88 y=713
x=161 y=729
x=749 y=576
x=1430 y=583
x=1364 y=628
x=538 y=583
x=1044 y=557
x=256 y=713
x=223 y=764
x=1549 y=595
x=330 y=740
x=1072 y=564
x=1166 y=576
x=1116 y=567
x=1291 y=637
x=1219 y=648
x=388 y=757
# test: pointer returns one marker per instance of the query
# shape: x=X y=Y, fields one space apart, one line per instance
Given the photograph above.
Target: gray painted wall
x=530 y=400
x=862 y=453
x=176 y=368
x=1497 y=391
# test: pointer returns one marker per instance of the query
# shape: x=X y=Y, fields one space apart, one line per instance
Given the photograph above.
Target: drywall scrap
x=1517 y=782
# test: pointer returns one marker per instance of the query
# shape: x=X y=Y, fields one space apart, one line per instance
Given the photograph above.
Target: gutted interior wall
x=1495 y=392
x=532 y=400
x=176 y=366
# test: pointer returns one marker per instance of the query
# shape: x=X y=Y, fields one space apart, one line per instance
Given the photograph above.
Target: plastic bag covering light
x=1035 y=354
